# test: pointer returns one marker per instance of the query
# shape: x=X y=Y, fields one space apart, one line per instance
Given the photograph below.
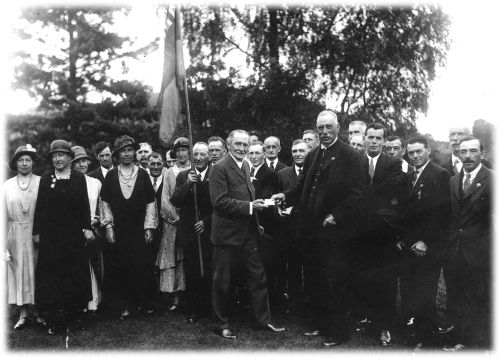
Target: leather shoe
x=270 y=327
x=21 y=323
x=446 y=330
x=455 y=348
x=311 y=333
x=385 y=337
x=226 y=333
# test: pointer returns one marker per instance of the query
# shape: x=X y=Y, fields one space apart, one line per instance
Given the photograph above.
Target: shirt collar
x=256 y=169
x=238 y=162
x=202 y=174
x=473 y=173
x=422 y=168
x=323 y=147
x=297 y=168
x=274 y=161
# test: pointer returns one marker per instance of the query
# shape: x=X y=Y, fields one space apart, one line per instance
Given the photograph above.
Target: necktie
x=300 y=173
x=467 y=182
x=272 y=166
x=371 y=169
x=252 y=172
x=415 y=177
x=155 y=184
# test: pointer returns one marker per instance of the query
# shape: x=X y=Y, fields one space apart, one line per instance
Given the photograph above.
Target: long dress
x=129 y=273
x=20 y=205
x=95 y=248
x=170 y=259
x=62 y=272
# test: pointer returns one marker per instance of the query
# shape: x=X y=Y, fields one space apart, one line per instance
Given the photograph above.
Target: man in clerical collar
x=272 y=148
x=103 y=155
x=143 y=154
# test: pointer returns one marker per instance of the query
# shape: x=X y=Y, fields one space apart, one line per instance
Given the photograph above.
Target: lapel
x=420 y=182
x=476 y=184
x=246 y=175
x=379 y=167
x=235 y=167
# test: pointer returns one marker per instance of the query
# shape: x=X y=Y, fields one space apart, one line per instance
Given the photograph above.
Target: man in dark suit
x=272 y=147
x=217 y=149
x=235 y=232
x=426 y=225
x=374 y=254
x=329 y=197
x=103 y=155
x=198 y=285
x=288 y=178
x=467 y=270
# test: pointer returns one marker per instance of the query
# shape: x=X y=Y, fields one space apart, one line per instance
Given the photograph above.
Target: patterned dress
x=21 y=253
x=170 y=259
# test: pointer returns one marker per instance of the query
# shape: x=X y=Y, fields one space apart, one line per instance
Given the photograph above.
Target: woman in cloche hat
x=20 y=194
x=62 y=230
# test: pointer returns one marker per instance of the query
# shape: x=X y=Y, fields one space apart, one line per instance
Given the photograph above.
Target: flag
x=169 y=99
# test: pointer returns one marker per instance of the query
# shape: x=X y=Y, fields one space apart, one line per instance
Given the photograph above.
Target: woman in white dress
x=81 y=163
x=20 y=193
x=170 y=259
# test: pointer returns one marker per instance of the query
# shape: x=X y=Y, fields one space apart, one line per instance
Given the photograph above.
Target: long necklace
x=24 y=187
x=125 y=179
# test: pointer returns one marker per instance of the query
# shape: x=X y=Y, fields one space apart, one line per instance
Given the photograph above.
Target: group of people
x=337 y=236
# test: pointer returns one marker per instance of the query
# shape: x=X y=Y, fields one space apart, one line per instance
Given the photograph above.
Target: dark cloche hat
x=60 y=145
x=20 y=151
x=179 y=143
x=122 y=142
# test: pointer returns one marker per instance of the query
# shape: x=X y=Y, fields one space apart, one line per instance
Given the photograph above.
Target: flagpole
x=190 y=137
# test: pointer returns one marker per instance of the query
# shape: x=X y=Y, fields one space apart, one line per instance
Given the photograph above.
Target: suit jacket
x=183 y=198
x=231 y=193
x=472 y=217
x=287 y=179
x=427 y=213
x=340 y=190
x=97 y=174
x=266 y=184
x=386 y=189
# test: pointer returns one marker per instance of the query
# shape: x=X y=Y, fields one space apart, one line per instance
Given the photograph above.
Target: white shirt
x=458 y=162
x=240 y=163
x=472 y=174
x=159 y=180
x=105 y=171
x=256 y=169
x=420 y=170
x=274 y=161
x=297 y=169
x=404 y=166
x=201 y=174
x=375 y=159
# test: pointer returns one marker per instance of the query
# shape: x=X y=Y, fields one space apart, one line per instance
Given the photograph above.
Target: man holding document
x=235 y=233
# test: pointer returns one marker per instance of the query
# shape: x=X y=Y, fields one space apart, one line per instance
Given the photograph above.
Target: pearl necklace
x=24 y=187
x=125 y=179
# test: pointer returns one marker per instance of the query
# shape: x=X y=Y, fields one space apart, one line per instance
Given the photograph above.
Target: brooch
x=332 y=158
x=478 y=185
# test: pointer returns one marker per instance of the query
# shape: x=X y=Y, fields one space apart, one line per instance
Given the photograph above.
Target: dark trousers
x=468 y=300
x=198 y=288
x=419 y=278
x=330 y=297
x=246 y=256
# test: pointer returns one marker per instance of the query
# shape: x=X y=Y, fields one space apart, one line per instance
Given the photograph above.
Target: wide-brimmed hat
x=79 y=153
x=60 y=145
x=20 y=151
x=181 y=142
x=122 y=142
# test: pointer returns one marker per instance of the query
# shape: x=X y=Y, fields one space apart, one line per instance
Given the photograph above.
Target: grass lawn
x=172 y=332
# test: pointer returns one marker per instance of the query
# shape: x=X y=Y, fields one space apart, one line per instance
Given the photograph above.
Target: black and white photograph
x=253 y=177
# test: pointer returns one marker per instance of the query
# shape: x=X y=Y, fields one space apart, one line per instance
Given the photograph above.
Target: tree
x=375 y=63
x=67 y=70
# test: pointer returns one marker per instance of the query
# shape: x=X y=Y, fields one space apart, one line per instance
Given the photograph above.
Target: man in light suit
x=235 y=231
x=426 y=226
x=329 y=197
x=467 y=270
